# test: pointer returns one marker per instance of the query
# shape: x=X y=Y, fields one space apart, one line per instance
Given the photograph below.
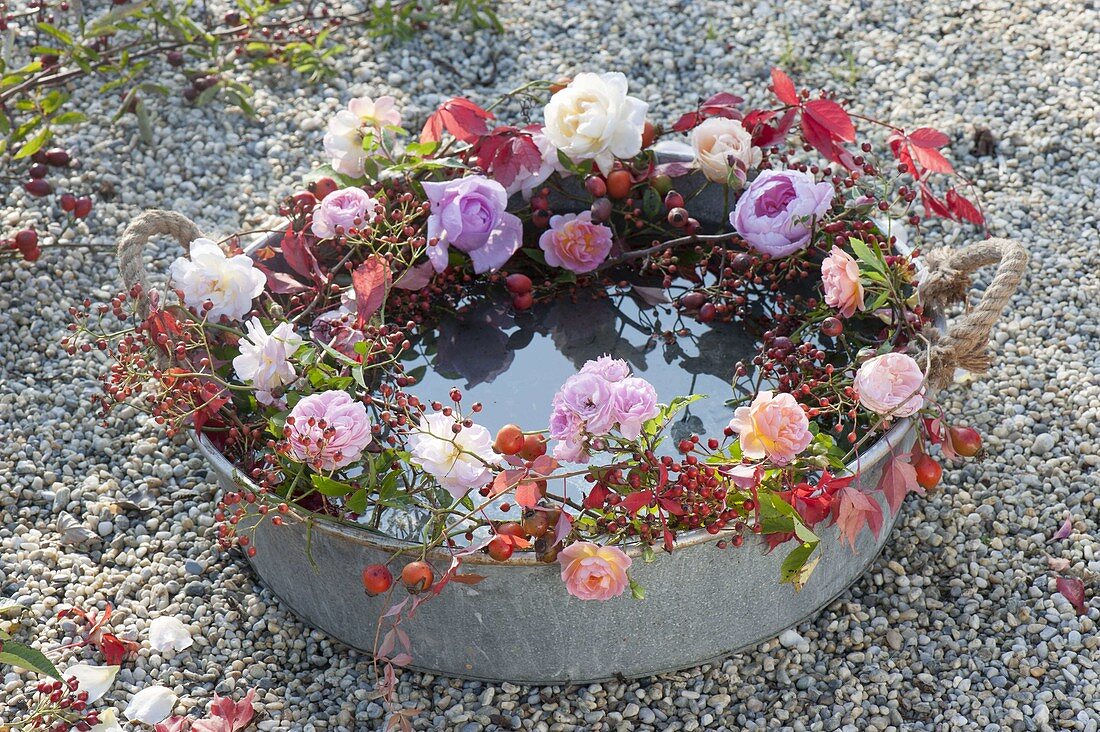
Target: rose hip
x=417 y=576
x=509 y=440
x=377 y=579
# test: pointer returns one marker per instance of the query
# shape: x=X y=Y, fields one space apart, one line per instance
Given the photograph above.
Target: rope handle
x=131 y=247
x=946 y=280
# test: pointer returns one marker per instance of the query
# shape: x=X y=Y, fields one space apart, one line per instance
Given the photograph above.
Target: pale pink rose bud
x=594 y=572
x=773 y=426
x=890 y=384
x=840 y=277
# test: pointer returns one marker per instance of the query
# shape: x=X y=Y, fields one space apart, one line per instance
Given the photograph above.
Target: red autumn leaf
x=416 y=277
x=208 y=401
x=671 y=506
x=963 y=209
x=114 y=649
x=928 y=138
x=504 y=481
x=507 y=152
x=898 y=478
x=281 y=283
x=820 y=138
x=528 y=494
x=459 y=116
x=227 y=715
x=1065 y=530
x=371 y=281
x=636 y=500
x=810 y=502
x=932 y=205
x=766 y=135
x=597 y=496
x=173 y=724
x=832 y=117
x=853 y=510
x=931 y=160
x=937 y=434
x=784 y=88
x=900 y=149
x=669 y=538
x=297 y=254
x=687 y=121
x=722 y=104
x=562 y=527
x=543 y=465
x=1073 y=590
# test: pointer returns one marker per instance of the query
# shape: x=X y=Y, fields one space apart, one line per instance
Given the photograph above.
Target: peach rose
x=773 y=426
x=721 y=145
x=840 y=276
x=890 y=384
x=594 y=572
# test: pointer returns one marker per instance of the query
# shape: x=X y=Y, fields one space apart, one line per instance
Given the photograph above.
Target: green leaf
x=865 y=255
x=56 y=32
x=651 y=202
x=69 y=118
x=33 y=145
x=798 y=565
x=330 y=486
x=17 y=654
x=108 y=23
x=358 y=501
x=636 y=590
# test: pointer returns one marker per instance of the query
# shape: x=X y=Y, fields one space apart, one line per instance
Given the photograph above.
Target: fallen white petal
x=95 y=680
x=150 y=705
x=168 y=633
x=108 y=722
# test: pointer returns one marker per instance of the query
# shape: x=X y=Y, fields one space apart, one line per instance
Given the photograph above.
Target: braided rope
x=131 y=247
x=947 y=280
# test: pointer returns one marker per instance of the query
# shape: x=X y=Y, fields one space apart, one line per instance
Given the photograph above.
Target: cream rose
x=229 y=283
x=721 y=145
x=594 y=119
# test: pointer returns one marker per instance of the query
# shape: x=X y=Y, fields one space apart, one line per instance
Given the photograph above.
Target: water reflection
x=513 y=363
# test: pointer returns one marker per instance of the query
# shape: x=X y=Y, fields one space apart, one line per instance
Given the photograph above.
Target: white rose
x=458 y=462
x=265 y=358
x=527 y=181
x=344 y=139
x=230 y=283
x=719 y=141
x=594 y=119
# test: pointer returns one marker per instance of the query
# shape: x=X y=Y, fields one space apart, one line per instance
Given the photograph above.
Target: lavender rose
x=342 y=208
x=468 y=214
x=635 y=404
x=775 y=213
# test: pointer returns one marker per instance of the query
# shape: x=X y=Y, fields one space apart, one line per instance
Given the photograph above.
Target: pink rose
x=346 y=208
x=594 y=572
x=840 y=277
x=776 y=212
x=575 y=243
x=327 y=430
x=890 y=384
x=773 y=426
x=612 y=369
x=468 y=214
x=635 y=404
x=591 y=398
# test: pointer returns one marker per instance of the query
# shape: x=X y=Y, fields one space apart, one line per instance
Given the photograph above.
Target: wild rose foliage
x=296 y=359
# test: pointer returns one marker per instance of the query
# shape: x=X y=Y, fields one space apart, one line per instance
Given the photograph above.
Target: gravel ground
x=955 y=627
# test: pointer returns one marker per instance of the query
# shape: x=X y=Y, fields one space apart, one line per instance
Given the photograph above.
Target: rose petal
x=1073 y=590
x=95 y=680
x=1065 y=531
x=108 y=722
x=150 y=705
x=166 y=633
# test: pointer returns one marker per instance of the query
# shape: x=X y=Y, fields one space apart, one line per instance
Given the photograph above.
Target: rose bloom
x=776 y=211
x=591 y=398
x=840 y=278
x=594 y=572
x=468 y=214
x=612 y=369
x=327 y=430
x=342 y=209
x=635 y=403
x=773 y=426
x=568 y=429
x=594 y=119
x=575 y=243
x=890 y=384
x=718 y=141
x=459 y=462
x=264 y=358
x=344 y=140
x=230 y=283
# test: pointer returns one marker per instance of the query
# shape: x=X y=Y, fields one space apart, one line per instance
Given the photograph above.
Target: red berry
x=966 y=441
x=595 y=186
x=928 y=471
x=509 y=440
x=175 y=59
x=511 y=528
x=536 y=523
x=673 y=200
x=707 y=313
x=518 y=284
x=38 y=187
x=68 y=202
x=601 y=210
x=417 y=576
x=540 y=203
x=693 y=300
x=500 y=549
x=324 y=186
x=832 y=327
x=619 y=184
x=377 y=579
x=303 y=202
x=533 y=446
x=58 y=158
x=523 y=302
x=678 y=217
x=83 y=207
x=38 y=170
x=26 y=239
x=540 y=217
